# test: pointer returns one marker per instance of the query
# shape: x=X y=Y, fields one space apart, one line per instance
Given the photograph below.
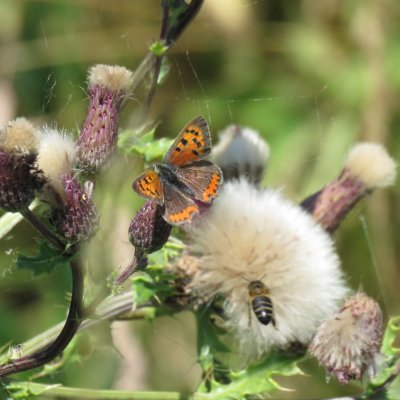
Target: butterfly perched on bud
x=184 y=180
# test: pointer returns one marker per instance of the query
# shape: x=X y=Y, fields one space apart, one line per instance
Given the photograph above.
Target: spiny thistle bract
x=73 y=212
x=77 y=220
x=368 y=167
x=98 y=137
x=20 y=177
x=148 y=230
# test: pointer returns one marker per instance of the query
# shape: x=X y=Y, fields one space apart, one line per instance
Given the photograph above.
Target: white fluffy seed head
x=241 y=152
x=56 y=156
x=371 y=164
x=19 y=135
x=252 y=235
x=115 y=78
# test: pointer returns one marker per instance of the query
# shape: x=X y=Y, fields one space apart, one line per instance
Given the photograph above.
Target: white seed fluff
x=56 y=156
x=19 y=134
x=242 y=148
x=115 y=78
x=371 y=164
x=260 y=235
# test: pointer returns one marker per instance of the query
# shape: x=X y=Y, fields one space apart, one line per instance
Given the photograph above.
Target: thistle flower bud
x=348 y=343
x=19 y=135
x=98 y=138
x=56 y=156
x=78 y=219
x=368 y=167
x=19 y=173
x=241 y=152
x=19 y=179
x=149 y=231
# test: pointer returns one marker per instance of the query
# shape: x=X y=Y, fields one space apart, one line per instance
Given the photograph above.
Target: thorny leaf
x=391 y=333
x=390 y=354
x=257 y=379
x=44 y=262
x=22 y=390
x=156 y=282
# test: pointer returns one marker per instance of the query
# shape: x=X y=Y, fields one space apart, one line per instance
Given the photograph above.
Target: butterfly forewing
x=149 y=186
x=193 y=143
x=203 y=178
x=179 y=208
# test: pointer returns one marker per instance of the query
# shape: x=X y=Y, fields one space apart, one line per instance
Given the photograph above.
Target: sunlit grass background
x=313 y=77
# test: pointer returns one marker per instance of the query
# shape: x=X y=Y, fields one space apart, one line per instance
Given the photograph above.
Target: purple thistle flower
x=78 y=220
x=98 y=138
x=148 y=232
x=19 y=180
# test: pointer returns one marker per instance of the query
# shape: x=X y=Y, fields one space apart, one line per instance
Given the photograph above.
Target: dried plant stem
x=51 y=350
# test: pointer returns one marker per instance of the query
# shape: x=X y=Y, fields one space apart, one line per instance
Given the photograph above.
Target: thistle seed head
x=241 y=152
x=348 y=343
x=19 y=135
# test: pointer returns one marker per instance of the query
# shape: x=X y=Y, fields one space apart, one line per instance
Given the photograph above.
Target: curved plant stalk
x=49 y=351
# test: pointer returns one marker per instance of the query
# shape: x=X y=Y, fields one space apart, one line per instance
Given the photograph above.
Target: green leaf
x=144 y=145
x=390 y=354
x=257 y=379
x=45 y=262
x=391 y=333
x=157 y=282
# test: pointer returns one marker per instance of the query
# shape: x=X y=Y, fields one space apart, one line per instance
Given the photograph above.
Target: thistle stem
x=49 y=351
x=136 y=262
x=117 y=307
x=62 y=392
x=43 y=229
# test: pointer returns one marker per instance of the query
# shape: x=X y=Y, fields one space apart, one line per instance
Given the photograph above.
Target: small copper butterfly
x=184 y=179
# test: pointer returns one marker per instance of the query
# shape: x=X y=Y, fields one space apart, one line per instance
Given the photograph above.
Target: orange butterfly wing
x=193 y=143
x=203 y=178
x=179 y=208
x=149 y=186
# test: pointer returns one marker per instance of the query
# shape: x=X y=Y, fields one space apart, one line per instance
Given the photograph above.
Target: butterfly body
x=184 y=179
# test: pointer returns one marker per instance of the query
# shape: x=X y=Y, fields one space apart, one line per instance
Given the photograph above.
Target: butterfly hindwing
x=193 y=143
x=179 y=207
x=149 y=186
x=203 y=178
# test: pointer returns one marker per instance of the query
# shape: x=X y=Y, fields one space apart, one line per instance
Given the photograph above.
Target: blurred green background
x=313 y=77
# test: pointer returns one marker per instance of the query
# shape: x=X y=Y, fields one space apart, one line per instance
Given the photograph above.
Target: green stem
x=43 y=229
x=141 y=71
x=117 y=307
x=62 y=392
